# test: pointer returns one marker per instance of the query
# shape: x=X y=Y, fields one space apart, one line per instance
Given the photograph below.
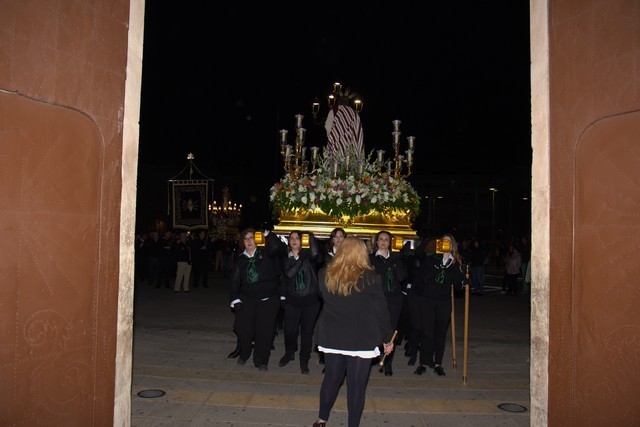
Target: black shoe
x=304 y=366
x=241 y=361
x=322 y=424
x=412 y=360
x=421 y=370
x=235 y=353
x=286 y=359
x=438 y=370
x=263 y=368
x=388 y=371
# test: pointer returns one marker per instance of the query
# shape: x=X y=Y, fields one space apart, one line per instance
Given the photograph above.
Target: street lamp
x=493 y=212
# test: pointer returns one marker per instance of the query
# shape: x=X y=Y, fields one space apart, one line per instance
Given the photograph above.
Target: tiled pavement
x=181 y=342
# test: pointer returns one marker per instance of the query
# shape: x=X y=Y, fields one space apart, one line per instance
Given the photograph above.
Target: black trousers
x=414 y=330
x=404 y=324
x=394 y=304
x=336 y=366
x=255 y=322
x=432 y=320
x=512 y=283
x=200 y=272
x=303 y=319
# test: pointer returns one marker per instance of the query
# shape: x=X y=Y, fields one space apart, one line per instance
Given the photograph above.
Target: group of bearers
x=351 y=297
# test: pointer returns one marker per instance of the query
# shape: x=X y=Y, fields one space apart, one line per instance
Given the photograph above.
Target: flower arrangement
x=345 y=194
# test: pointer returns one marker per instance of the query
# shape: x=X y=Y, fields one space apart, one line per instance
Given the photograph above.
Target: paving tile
x=187 y=358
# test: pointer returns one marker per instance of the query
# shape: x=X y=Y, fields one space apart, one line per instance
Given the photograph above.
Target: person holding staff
x=431 y=310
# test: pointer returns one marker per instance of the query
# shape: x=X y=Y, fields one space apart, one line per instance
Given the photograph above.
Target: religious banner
x=190 y=205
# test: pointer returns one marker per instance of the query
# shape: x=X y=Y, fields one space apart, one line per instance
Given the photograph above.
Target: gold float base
x=320 y=224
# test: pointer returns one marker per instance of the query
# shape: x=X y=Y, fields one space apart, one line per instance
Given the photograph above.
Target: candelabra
x=338 y=94
x=400 y=165
x=349 y=162
x=227 y=208
x=295 y=159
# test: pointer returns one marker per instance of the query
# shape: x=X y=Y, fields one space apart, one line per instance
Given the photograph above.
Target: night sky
x=220 y=81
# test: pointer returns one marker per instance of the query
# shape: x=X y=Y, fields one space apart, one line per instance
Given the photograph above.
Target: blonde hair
x=454 y=250
x=350 y=262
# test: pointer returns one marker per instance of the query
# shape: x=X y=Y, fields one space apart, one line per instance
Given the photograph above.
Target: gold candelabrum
x=338 y=93
x=227 y=208
x=295 y=159
x=400 y=165
x=295 y=156
x=297 y=165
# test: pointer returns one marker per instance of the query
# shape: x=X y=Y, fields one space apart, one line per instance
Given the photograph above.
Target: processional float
x=339 y=186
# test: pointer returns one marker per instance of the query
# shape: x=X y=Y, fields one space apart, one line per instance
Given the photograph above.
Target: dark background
x=221 y=80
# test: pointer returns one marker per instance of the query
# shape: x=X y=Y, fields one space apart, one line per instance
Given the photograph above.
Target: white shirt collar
x=378 y=253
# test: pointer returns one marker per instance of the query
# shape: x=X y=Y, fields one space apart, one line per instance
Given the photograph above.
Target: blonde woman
x=353 y=322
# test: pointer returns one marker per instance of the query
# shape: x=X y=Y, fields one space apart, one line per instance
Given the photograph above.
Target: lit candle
x=314 y=153
x=299 y=120
x=396 y=125
x=301 y=132
x=337 y=86
x=380 y=156
x=283 y=135
x=332 y=101
x=410 y=140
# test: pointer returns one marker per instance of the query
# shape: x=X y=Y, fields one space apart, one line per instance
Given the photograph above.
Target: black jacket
x=392 y=270
x=434 y=280
x=267 y=262
x=299 y=278
x=357 y=322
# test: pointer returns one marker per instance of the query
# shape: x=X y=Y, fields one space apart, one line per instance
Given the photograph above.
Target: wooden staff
x=466 y=328
x=393 y=338
x=453 y=330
